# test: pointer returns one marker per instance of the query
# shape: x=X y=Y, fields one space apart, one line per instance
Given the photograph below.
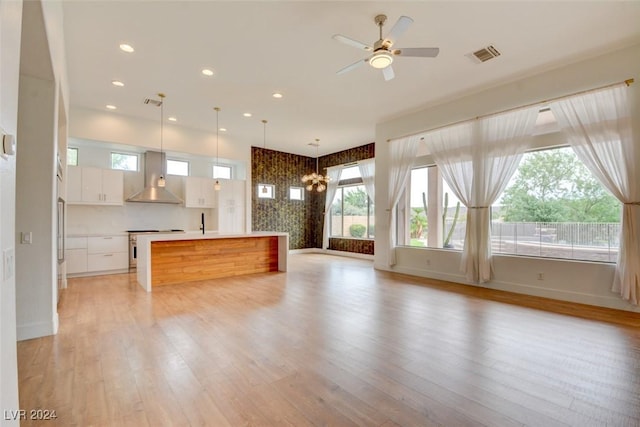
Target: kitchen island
x=166 y=259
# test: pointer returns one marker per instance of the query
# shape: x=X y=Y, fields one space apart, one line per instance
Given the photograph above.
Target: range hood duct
x=154 y=163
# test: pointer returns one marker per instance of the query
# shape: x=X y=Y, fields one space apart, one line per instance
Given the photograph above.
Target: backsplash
x=89 y=219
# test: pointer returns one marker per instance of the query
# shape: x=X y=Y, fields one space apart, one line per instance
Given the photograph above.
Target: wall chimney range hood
x=154 y=165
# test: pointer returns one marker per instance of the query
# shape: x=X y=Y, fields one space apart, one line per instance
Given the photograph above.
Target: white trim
x=36 y=330
x=612 y=301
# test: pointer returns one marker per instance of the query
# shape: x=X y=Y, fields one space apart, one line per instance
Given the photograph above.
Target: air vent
x=484 y=54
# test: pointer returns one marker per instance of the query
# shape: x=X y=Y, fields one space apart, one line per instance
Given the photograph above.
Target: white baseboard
x=612 y=301
x=36 y=330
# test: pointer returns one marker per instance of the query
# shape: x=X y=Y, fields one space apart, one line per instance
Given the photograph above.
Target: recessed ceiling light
x=277 y=95
x=223 y=129
x=110 y=107
x=127 y=48
x=207 y=72
x=247 y=114
x=172 y=119
x=117 y=83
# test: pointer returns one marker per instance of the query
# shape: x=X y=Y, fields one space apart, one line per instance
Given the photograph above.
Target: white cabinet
x=231 y=206
x=97 y=254
x=106 y=253
x=76 y=255
x=199 y=192
x=94 y=186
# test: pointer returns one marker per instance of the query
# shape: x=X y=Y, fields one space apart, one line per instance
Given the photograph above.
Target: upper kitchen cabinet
x=199 y=192
x=94 y=186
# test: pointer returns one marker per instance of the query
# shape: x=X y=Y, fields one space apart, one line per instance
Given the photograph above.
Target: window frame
x=272 y=192
x=300 y=189
x=77 y=156
x=179 y=161
x=340 y=190
x=221 y=166
x=128 y=154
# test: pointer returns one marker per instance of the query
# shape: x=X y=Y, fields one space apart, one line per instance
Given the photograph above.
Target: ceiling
x=258 y=48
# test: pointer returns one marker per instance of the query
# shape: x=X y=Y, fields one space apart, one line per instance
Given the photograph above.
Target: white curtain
x=402 y=153
x=332 y=186
x=368 y=173
x=598 y=126
x=477 y=159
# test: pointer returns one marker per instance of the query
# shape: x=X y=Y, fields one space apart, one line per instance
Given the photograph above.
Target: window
x=352 y=211
x=72 y=156
x=221 y=172
x=266 y=191
x=296 y=193
x=177 y=167
x=553 y=207
x=436 y=218
x=124 y=161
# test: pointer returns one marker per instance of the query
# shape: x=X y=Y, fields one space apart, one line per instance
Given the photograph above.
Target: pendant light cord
x=161 y=96
x=217 y=132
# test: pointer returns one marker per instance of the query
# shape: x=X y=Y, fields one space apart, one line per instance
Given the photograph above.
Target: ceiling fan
x=383 y=53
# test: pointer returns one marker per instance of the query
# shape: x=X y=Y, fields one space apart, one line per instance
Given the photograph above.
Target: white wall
x=10 y=30
x=567 y=280
x=35 y=209
x=42 y=97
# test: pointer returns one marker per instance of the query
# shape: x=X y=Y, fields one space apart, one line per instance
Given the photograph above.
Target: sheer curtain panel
x=402 y=153
x=332 y=187
x=368 y=173
x=598 y=126
x=477 y=159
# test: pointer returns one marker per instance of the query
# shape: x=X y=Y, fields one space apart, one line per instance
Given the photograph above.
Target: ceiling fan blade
x=388 y=73
x=351 y=42
x=423 y=52
x=352 y=66
x=399 y=28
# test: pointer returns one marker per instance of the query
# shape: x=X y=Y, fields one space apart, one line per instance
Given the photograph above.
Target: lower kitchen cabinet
x=88 y=255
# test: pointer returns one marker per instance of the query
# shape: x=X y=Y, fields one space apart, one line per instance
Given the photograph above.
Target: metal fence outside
x=572 y=240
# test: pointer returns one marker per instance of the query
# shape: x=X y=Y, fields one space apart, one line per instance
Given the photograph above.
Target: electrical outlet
x=8 y=262
x=540 y=276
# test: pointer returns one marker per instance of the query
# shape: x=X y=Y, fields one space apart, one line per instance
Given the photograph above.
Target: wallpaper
x=303 y=220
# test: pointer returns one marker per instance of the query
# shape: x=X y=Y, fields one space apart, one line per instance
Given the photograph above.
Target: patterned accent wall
x=347 y=156
x=303 y=220
x=299 y=218
x=358 y=246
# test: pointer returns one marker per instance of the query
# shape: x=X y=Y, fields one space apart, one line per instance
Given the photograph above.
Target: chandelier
x=315 y=179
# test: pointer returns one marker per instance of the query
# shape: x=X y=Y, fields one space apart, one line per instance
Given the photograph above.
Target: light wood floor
x=331 y=342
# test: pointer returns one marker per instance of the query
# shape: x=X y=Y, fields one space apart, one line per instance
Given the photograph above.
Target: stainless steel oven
x=133 y=244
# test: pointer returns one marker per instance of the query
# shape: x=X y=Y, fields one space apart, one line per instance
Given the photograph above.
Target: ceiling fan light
x=381 y=59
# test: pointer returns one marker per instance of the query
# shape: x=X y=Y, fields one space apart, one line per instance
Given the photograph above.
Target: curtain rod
x=627 y=82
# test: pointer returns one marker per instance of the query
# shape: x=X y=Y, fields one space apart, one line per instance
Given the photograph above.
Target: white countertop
x=197 y=235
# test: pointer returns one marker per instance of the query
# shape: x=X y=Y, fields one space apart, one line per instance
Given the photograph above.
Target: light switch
x=26 y=237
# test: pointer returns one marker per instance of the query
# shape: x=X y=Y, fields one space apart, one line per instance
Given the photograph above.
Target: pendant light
x=264 y=146
x=315 y=179
x=161 y=181
x=216 y=186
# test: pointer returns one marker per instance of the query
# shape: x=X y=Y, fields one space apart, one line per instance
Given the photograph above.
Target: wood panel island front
x=165 y=259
